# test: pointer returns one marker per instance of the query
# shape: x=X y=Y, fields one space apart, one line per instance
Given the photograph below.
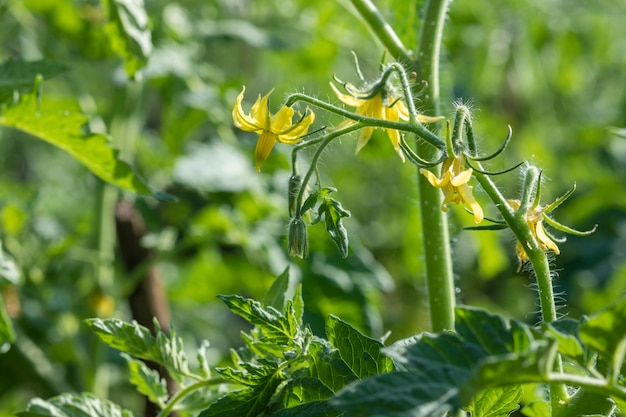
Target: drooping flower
x=535 y=217
x=454 y=183
x=379 y=107
x=534 y=220
x=271 y=128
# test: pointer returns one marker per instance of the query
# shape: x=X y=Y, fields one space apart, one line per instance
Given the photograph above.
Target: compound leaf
x=148 y=381
x=130 y=338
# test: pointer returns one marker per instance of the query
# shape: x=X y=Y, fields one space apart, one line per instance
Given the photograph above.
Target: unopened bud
x=295 y=182
x=297 y=239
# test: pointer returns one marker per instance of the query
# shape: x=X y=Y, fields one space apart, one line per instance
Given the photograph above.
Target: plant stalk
x=436 y=240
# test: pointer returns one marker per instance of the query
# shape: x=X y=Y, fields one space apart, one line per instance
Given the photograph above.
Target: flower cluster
x=372 y=103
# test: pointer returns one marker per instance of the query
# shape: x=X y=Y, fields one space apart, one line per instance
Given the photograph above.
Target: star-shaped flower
x=387 y=108
x=535 y=217
x=271 y=128
x=454 y=182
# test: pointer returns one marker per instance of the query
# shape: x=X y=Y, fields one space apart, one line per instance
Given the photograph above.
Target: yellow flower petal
x=461 y=178
x=364 y=137
x=544 y=239
x=263 y=148
x=243 y=121
x=281 y=121
x=345 y=98
x=465 y=191
x=428 y=119
x=261 y=111
x=394 y=137
x=294 y=134
x=432 y=178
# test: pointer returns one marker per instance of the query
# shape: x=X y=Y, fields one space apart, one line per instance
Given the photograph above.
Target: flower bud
x=295 y=182
x=297 y=239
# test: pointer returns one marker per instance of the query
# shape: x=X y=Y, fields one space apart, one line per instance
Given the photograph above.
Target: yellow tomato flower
x=376 y=108
x=534 y=220
x=271 y=128
x=454 y=184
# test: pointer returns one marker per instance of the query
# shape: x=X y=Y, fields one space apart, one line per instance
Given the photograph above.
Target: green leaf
x=303 y=390
x=328 y=366
x=333 y=213
x=7 y=335
x=399 y=394
x=148 y=381
x=130 y=338
x=172 y=352
x=605 y=332
x=496 y=402
x=269 y=320
x=445 y=371
x=245 y=403
x=18 y=73
x=312 y=409
x=361 y=353
x=129 y=32
x=276 y=296
x=73 y=405
x=566 y=333
x=67 y=130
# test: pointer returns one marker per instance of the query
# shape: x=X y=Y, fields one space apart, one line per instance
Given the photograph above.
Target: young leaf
x=269 y=320
x=361 y=353
x=147 y=381
x=73 y=405
x=66 y=130
x=333 y=213
x=130 y=338
x=496 y=402
x=276 y=296
x=173 y=356
x=129 y=32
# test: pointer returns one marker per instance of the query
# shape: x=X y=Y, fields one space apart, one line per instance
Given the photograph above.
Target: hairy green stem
x=439 y=276
x=415 y=128
x=326 y=139
x=517 y=223
x=384 y=32
x=440 y=280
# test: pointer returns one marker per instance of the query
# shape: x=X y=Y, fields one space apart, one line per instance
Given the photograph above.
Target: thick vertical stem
x=439 y=276
x=440 y=280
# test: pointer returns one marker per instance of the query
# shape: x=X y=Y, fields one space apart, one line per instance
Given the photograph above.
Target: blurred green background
x=552 y=70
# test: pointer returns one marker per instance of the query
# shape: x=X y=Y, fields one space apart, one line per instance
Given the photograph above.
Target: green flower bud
x=295 y=182
x=297 y=239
